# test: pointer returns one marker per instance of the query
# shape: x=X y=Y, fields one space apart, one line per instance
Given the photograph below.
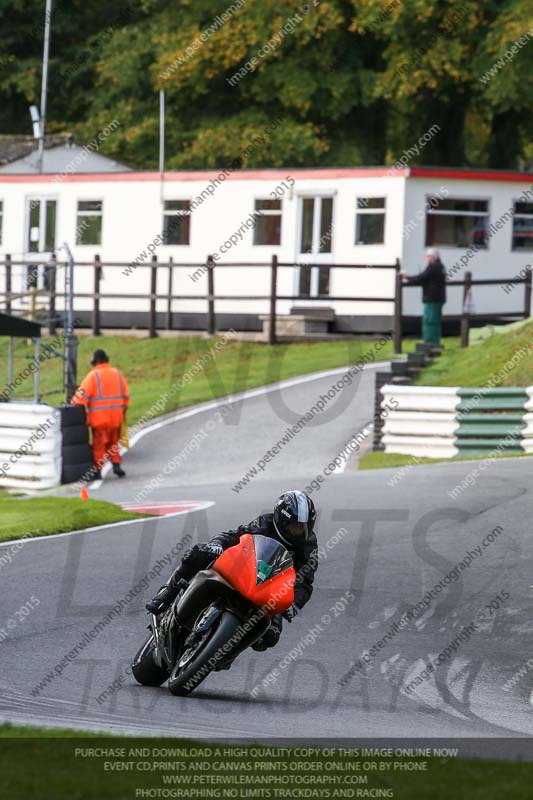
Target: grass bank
x=478 y=365
x=73 y=768
x=42 y=516
x=380 y=460
x=153 y=366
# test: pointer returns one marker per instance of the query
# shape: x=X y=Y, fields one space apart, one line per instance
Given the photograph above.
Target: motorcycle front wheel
x=193 y=667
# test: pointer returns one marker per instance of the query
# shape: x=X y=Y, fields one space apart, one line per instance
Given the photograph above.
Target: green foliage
x=478 y=365
x=353 y=81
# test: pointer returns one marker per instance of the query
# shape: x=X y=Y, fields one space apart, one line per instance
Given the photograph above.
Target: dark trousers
x=432 y=323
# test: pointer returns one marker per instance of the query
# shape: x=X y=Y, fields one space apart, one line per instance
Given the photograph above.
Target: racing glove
x=212 y=548
x=290 y=613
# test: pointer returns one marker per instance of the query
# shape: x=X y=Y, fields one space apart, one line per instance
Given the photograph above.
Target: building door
x=315 y=245
x=41 y=225
x=39 y=238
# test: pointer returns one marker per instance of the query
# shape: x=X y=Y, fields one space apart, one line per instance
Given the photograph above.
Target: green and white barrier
x=527 y=441
x=443 y=422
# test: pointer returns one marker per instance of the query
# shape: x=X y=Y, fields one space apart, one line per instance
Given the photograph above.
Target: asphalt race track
x=388 y=540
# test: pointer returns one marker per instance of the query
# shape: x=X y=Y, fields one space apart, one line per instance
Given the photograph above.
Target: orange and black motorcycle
x=223 y=610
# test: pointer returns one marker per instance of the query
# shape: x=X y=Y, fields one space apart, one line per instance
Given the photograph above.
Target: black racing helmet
x=294 y=517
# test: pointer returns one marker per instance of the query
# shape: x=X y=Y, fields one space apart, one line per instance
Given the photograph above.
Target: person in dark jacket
x=433 y=282
x=292 y=524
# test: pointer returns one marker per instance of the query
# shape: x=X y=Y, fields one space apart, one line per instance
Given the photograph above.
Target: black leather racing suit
x=305 y=558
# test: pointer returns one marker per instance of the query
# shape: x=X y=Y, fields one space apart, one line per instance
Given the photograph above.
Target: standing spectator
x=433 y=282
x=104 y=393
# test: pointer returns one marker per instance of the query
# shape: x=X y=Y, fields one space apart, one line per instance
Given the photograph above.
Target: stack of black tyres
x=76 y=451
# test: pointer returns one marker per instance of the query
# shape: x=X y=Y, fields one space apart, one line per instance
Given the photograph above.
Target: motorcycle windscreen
x=261 y=570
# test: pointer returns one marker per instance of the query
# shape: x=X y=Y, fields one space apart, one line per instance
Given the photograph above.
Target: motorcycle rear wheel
x=186 y=679
x=144 y=669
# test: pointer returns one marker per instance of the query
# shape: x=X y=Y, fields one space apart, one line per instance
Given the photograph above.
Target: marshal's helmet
x=294 y=517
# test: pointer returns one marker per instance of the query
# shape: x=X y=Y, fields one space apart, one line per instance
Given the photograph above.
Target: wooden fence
x=210 y=268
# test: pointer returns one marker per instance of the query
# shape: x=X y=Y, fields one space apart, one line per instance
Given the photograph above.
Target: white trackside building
x=481 y=221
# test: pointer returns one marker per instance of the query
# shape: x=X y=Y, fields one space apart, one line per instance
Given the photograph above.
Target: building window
x=89 y=222
x=267 y=228
x=523 y=226
x=456 y=222
x=177 y=222
x=370 y=220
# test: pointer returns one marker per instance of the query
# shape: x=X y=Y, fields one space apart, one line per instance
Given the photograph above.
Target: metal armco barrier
x=449 y=421
x=30 y=446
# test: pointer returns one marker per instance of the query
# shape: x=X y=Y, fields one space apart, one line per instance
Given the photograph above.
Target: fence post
x=32 y=313
x=273 y=298
x=210 y=296
x=397 y=335
x=96 y=295
x=51 y=280
x=169 y=294
x=8 y=283
x=527 y=295
x=153 y=294
x=465 y=316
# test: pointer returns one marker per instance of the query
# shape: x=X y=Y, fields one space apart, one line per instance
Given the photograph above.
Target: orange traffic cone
x=84 y=494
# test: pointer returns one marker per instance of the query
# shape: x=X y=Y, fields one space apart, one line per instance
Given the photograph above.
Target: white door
x=314 y=245
x=40 y=225
x=39 y=237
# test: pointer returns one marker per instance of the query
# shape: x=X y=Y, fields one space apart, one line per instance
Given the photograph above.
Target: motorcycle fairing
x=261 y=570
x=205 y=588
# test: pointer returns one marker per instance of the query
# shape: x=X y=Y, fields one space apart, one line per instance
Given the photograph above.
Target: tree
x=349 y=82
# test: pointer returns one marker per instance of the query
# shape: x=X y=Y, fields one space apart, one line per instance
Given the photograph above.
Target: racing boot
x=271 y=637
x=167 y=594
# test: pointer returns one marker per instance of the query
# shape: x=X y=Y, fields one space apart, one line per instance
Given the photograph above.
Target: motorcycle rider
x=291 y=524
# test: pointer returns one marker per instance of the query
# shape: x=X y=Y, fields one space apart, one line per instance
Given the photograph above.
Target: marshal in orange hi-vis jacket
x=104 y=393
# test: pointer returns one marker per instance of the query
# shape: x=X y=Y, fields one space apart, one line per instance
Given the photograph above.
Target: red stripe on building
x=301 y=173
x=472 y=174
x=206 y=175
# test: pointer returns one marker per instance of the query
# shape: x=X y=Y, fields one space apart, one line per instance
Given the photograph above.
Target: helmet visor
x=296 y=531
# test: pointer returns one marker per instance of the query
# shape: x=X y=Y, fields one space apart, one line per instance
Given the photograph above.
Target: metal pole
x=37 y=373
x=96 y=295
x=152 y=320
x=70 y=290
x=52 y=275
x=71 y=343
x=211 y=325
x=273 y=298
x=527 y=295
x=397 y=334
x=161 y=141
x=70 y=319
x=44 y=85
x=169 y=294
x=161 y=132
x=71 y=366
x=8 y=283
x=465 y=316
x=10 y=364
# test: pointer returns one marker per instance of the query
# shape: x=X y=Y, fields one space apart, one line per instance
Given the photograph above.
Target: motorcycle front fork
x=251 y=636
